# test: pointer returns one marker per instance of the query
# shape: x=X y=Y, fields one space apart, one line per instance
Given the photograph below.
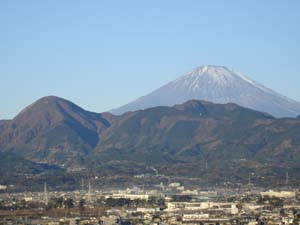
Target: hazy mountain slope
x=181 y=140
x=178 y=140
x=3 y=125
x=189 y=131
x=12 y=164
x=53 y=130
x=219 y=85
x=3 y=122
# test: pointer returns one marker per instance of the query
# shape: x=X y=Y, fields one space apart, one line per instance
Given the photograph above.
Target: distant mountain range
x=195 y=139
x=216 y=84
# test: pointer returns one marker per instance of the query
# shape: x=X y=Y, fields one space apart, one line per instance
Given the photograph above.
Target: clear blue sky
x=102 y=54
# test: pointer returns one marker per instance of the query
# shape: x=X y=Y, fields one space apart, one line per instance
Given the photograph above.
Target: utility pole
x=82 y=188
x=287 y=179
x=249 y=179
x=162 y=186
x=45 y=194
x=89 y=192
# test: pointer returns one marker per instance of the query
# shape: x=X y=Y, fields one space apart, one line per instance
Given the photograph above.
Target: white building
x=131 y=196
x=195 y=217
x=278 y=194
x=3 y=187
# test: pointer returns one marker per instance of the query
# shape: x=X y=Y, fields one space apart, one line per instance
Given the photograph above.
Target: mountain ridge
x=234 y=140
x=50 y=123
x=216 y=84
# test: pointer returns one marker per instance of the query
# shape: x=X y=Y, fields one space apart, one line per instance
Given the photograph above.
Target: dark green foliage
x=273 y=201
x=81 y=204
x=69 y=203
x=181 y=198
x=55 y=202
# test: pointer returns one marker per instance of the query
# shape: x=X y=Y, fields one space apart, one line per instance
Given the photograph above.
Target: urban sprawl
x=162 y=204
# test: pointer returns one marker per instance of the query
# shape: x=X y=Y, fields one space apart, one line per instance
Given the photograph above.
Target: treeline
x=69 y=203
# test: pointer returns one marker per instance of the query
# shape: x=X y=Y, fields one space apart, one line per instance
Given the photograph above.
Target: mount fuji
x=216 y=84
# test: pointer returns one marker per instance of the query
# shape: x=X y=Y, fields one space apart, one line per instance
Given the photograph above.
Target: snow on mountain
x=217 y=84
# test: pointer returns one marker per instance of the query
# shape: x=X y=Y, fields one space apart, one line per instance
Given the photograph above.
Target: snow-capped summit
x=220 y=75
x=217 y=84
